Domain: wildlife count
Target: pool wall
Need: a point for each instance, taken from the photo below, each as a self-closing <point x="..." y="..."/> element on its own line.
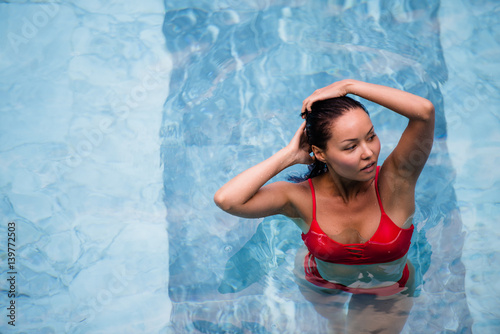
<point x="471" y="45"/>
<point x="82" y="88"/>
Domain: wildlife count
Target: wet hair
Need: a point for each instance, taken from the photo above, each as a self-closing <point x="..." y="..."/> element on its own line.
<point x="318" y="125"/>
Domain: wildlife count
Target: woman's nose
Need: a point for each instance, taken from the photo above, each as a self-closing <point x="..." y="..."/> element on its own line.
<point x="367" y="152"/>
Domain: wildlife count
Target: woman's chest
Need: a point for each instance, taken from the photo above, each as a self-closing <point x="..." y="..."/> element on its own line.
<point x="354" y="222"/>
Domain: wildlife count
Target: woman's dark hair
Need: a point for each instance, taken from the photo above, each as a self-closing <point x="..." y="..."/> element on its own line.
<point x="318" y="125"/>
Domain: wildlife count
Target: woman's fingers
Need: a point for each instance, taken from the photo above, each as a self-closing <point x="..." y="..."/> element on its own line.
<point x="299" y="146"/>
<point x="301" y="129"/>
<point x="306" y="104"/>
<point x="304" y="108"/>
<point x="336" y="89"/>
<point x="309" y="101"/>
<point x="297" y="138"/>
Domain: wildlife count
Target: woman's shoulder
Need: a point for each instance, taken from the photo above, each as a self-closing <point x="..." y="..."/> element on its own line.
<point x="291" y="187"/>
<point x="397" y="193"/>
<point x="298" y="197"/>
<point x="392" y="179"/>
<point x="293" y="193"/>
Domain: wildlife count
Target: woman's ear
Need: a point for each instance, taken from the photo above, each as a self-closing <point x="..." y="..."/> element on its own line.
<point x="318" y="153"/>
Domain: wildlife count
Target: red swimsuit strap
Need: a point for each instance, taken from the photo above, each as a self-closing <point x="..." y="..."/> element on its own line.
<point x="376" y="189"/>
<point x="378" y="194"/>
<point x="313" y="198"/>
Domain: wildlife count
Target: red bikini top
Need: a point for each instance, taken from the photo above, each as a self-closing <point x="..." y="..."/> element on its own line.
<point x="389" y="243"/>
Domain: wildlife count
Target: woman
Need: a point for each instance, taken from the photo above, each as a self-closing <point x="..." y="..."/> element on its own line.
<point x="356" y="218"/>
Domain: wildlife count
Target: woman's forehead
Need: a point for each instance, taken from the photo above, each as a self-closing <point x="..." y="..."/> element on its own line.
<point x="353" y="124"/>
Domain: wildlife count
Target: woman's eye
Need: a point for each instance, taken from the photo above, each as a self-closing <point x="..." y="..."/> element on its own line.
<point x="371" y="137"/>
<point x="350" y="147"/>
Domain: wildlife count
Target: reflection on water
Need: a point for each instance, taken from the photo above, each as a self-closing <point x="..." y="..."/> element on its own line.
<point x="264" y="251"/>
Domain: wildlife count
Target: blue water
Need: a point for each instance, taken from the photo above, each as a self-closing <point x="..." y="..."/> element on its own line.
<point x="119" y="121"/>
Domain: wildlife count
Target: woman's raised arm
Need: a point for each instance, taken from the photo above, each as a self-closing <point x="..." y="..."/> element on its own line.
<point x="245" y="196"/>
<point x="409" y="157"/>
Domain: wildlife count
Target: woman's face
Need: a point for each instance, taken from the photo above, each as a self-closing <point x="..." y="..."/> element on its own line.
<point x="353" y="148"/>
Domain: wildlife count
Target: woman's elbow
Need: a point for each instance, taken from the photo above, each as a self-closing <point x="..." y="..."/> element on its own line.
<point x="222" y="202"/>
<point x="427" y="113"/>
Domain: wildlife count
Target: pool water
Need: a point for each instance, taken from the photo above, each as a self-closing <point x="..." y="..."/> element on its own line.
<point x="119" y="122"/>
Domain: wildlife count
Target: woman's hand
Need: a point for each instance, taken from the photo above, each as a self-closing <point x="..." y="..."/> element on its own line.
<point x="336" y="89"/>
<point x="298" y="147"/>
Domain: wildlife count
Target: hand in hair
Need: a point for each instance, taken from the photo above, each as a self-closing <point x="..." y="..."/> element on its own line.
<point x="336" y="89"/>
<point x="299" y="147"/>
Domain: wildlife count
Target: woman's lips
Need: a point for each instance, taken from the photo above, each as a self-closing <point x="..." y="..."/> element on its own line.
<point x="369" y="167"/>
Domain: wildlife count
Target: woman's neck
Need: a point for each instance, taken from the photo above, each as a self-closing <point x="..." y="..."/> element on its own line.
<point x="345" y="188"/>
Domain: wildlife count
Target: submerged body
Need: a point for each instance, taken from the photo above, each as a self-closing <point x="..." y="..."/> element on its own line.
<point x="379" y="262"/>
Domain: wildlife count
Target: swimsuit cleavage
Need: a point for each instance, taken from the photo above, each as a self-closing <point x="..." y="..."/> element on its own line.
<point x="389" y="243"/>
